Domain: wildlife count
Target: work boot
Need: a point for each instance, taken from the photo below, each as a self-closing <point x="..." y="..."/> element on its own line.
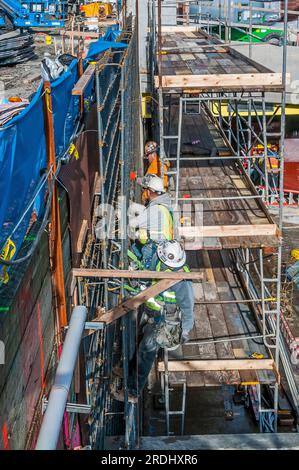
<point x="119" y="395"/>
<point x="185" y="337"/>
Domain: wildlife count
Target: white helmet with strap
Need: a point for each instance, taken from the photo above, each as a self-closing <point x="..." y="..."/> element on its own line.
<point x="152" y="182"/>
<point x="171" y="254"/>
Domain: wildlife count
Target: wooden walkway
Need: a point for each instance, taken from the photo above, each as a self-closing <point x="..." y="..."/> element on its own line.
<point x="230" y="223"/>
<point x="215" y="321"/>
<point x="192" y="59"/>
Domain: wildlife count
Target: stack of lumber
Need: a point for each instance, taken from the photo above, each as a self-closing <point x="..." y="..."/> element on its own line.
<point x="10" y="110"/>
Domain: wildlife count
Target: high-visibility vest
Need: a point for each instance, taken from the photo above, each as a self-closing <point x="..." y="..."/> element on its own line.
<point x="155" y="169"/>
<point x="166" y="232"/>
<point x="167" y="297"/>
<point x="272" y="163"/>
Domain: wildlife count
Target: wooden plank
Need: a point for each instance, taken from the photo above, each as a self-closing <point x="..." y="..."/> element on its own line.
<point x="122" y="273"/>
<point x="82" y="235"/>
<point x="81" y="34"/>
<point x="98" y="180"/>
<point x="221" y="81"/>
<point x="228" y="231"/>
<point x="83" y="81"/>
<point x="217" y="365"/>
<point x="180" y="29"/>
<point x="136" y="301"/>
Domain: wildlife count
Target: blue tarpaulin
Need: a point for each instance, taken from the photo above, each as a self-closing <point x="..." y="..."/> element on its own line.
<point x="23" y="159"/>
<point x="102" y="45"/>
<point x="106" y="42"/>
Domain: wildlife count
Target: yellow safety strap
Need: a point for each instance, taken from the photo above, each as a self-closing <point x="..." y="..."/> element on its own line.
<point x="7" y="254"/>
<point x="73" y="151"/>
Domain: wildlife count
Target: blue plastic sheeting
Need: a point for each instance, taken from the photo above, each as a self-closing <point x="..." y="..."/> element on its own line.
<point x="96" y="48"/>
<point x="65" y="107"/>
<point x="112" y="33"/>
<point x="22" y="157"/>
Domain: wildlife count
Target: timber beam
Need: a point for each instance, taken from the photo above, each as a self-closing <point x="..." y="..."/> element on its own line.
<point x="217" y="365"/>
<point x="228" y="231"/>
<point x="135" y="302"/>
<point x="222" y="81"/>
<point x="83" y="81"/>
<point x="126" y="274"/>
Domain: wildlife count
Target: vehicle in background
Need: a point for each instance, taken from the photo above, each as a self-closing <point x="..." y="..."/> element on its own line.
<point x="33" y="13"/>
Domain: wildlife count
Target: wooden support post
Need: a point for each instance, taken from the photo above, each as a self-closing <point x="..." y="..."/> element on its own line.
<point x="135" y="302"/>
<point x="55" y="245"/>
<point x="80" y="73"/>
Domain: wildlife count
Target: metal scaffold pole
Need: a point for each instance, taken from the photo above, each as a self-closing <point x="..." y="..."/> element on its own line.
<point x="281" y="196"/>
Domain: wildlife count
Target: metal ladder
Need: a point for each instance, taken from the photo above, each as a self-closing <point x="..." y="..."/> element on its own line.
<point x="166" y="393"/>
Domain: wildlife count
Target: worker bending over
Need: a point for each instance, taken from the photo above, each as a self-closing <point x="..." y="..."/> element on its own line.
<point x="153" y="223"/>
<point x="160" y="328"/>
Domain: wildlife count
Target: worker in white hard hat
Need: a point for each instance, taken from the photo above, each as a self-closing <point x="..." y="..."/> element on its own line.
<point x="153" y="224"/>
<point x="162" y="328"/>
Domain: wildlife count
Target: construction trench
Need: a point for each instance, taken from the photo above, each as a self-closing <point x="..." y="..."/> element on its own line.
<point x="234" y="383"/>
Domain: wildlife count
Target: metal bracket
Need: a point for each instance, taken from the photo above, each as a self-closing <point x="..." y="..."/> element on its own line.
<point x="94" y="325"/>
<point x="70" y="407"/>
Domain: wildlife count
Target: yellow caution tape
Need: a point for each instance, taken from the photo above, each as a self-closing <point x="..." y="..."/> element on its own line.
<point x="7" y="254"/>
<point x="73" y="151"/>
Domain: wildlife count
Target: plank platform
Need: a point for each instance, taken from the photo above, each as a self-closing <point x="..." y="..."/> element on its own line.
<point x="195" y="60"/>
<point x="212" y="364"/>
<point x="259" y="441"/>
<point x="215" y="223"/>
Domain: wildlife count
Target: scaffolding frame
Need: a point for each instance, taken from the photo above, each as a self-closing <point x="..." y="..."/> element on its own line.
<point x="240" y="145"/>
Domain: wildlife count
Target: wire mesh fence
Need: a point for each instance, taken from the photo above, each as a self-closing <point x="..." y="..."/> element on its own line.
<point x="118" y="113"/>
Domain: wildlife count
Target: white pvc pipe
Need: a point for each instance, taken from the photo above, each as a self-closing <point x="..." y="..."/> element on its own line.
<point x="50" y="429"/>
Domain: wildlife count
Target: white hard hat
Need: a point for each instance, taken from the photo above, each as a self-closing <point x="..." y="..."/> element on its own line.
<point x="151" y="147"/>
<point x="171" y="253"/>
<point x="152" y="182"/>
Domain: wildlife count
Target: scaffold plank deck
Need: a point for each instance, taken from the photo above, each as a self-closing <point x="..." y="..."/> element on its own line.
<point x="216" y="194"/>
<point x="222" y="332"/>
<point x="191" y="59"/>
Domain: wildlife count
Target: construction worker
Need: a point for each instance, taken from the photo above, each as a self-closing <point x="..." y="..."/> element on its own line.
<point x="154" y="165"/>
<point x="159" y="330"/>
<point x="152" y="224"/>
<point x="272" y="168"/>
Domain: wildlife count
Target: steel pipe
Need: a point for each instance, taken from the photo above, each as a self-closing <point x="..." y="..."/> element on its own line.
<point x="50" y="429"/>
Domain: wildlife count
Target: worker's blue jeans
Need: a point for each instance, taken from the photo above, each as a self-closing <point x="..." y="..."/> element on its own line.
<point x="147" y="350"/>
<point x="145" y="252"/>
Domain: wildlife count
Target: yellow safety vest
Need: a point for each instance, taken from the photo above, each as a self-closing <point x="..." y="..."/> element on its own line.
<point x="167" y="227"/>
<point x="167" y="297"/>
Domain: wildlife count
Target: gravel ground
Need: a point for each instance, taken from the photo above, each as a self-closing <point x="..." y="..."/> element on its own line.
<point x="23" y="79"/>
